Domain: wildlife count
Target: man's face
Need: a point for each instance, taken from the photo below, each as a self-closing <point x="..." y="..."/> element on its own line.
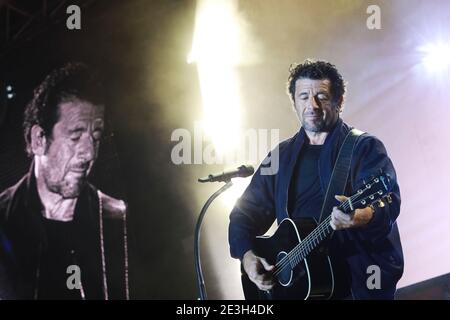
<point x="73" y="147"/>
<point x="313" y="104"/>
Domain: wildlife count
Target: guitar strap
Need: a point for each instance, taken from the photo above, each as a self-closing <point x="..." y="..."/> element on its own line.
<point x="341" y="170"/>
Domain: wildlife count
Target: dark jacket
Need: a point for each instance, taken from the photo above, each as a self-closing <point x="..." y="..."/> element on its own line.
<point x="23" y="239"/>
<point x="378" y="243"/>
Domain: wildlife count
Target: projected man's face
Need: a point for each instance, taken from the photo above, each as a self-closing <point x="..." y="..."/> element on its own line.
<point x="73" y="147"/>
<point x="313" y="104"/>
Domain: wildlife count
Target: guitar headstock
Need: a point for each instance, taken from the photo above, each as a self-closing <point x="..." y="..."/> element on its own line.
<point x="375" y="192"/>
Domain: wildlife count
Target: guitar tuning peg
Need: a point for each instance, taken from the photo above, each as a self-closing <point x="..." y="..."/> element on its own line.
<point x="381" y="204"/>
<point x="389" y="198"/>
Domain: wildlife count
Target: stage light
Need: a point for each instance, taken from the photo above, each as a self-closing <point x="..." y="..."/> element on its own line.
<point x="436" y="56"/>
<point x="216" y="51"/>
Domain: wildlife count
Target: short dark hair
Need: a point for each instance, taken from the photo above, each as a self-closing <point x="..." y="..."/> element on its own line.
<point x="73" y="81"/>
<point x="317" y="70"/>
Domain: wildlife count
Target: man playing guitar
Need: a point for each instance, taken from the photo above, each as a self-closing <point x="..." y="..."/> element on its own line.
<point x="364" y="238"/>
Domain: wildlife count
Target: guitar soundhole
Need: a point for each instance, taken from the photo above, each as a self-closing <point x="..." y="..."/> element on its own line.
<point x="285" y="275"/>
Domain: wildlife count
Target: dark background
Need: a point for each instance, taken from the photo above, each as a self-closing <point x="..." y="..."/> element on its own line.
<point x="141" y="49"/>
<point x="132" y="43"/>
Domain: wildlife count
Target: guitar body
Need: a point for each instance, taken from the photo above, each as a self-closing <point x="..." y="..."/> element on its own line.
<point x="303" y="269"/>
<point x="312" y="278"/>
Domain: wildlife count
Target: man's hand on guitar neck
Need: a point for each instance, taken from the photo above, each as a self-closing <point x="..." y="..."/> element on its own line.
<point x="258" y="270"/>
<point x="358" y="218"/>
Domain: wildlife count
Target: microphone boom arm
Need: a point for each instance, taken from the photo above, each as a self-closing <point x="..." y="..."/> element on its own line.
<point x="198" y="266"/>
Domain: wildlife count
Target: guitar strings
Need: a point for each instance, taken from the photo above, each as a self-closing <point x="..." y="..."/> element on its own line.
<point x="298" y="252"/>
<point x="301" y="250"/>
<point x="303" y="247"/>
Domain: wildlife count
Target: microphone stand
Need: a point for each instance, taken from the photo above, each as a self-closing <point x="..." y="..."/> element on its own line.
<point x="198" y="266"/>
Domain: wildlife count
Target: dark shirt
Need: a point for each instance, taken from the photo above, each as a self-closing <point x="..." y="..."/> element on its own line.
<point x="306" y="196"/>
<point x="306" y="199"/>
<point x="35" y="252"/>
<point x="58" y="255"/>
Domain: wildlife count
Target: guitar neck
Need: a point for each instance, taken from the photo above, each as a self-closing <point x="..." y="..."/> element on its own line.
<point x="374" y="191"/>
<point x="304" y="248"/>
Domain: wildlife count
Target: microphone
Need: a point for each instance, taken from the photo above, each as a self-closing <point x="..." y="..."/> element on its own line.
<point x="241" y="172"/>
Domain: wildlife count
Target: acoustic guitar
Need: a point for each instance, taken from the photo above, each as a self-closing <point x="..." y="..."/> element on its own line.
<point x="297" y="249"/>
